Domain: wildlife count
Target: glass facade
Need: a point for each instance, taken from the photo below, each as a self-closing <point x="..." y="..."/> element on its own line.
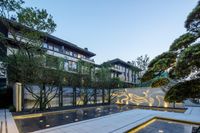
<point x="63" y="97"/>
<point x="91" y="96"/>
<point x="106" y="95"/>
<point x="53" y="96"/>
<point x="80" y="95"/>
<point x="99" y="96"/>
<point x="30" y="100"/>
<point x="67" y="95"/>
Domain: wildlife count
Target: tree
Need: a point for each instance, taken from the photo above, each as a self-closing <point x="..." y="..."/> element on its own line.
<point x="141" y="62"/>
<point x="178" y="69"/>
<point x="27" y="28"/>
<point x="84" y="80"/>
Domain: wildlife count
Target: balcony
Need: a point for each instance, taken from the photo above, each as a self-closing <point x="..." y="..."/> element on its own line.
<point x="115" y="69"/>
<point x="88" y="60"/>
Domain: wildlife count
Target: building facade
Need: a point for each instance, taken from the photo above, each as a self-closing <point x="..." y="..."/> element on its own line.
<point x="71" y="55"/>
<point x="53" y="46"/>
<point x="125" y="71"/>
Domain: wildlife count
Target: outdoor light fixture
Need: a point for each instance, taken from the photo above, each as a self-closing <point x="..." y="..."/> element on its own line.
<point x="160" y="131"/>
<point x="47" y="125"/>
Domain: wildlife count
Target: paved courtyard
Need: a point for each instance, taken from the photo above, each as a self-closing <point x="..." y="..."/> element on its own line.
<point x="7" y="123"/>
<point x="121" y="122"/>
<point x="115" y="123"/>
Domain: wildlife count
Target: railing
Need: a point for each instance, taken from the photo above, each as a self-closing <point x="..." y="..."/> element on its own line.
<point x="115" y="69"/>
<point x="88" y="60"/>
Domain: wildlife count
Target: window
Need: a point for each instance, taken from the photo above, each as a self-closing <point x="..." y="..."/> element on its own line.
<point x="66" y="65"/>
<point x="50" y="46"/>
<point x="72" y="66"/>
<point x="56" y="48"/>
<point x="79" y="56"/>
<point x="75" y="55"/>
<point x="70" y="53"/>
<point x="67" y="52"/>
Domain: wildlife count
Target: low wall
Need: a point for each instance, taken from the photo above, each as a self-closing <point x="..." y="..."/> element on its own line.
<point x="143" y="96"/>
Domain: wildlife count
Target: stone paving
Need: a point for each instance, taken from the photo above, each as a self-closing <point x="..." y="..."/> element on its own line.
<point x="115" y="123"/>
<point x="7" y="123"/>
<point x="121" y="122"/>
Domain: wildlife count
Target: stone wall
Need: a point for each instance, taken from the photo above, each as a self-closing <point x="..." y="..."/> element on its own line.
<point x="143" y="96"/>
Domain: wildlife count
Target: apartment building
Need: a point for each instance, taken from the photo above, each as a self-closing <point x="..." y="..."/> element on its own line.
<point x="125" y="71"/>
<point x="55" y="47"/>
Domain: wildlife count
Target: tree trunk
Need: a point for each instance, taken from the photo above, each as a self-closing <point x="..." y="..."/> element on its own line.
<point x="103" y="96"/>
<point x="95" y="96"/>
<point x="174" y="104"/>
<point x="74" y="96"/>
<point x="42" y="97"/>
<point x="109" y="96"/>
<point x="60" y="96"/>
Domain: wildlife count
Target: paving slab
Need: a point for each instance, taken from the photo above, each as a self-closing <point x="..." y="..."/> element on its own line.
<point x="121" y="122"/>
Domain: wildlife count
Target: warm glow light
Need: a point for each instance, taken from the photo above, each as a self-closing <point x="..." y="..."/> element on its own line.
<point x="47" y="125"/>
<point x="142" y="126"/>
<point x="133" y="98"/>
<point x="166" y="104"/>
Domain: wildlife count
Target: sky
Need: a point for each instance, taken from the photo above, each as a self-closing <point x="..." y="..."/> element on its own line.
<point x="122" y="29"/>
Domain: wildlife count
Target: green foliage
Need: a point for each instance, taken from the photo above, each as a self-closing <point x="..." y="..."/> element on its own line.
<point x="10" y="6"/>
<point x="192" y="23"/>
<point x="115" y="83"/>
<point x="165" y="55"/>
<point x="148" y="75"/>
<point x="184" y="90"/>
<point x="188" y="61"/>
<point x="40" y="20"/>
<point x="141" y="62"/>
<point x="183" y="41"/>
<point x="181" y="63"/>
<point x="160" y="82"/>
<point x="102" y="77"/>
<point x="158" y="65"/>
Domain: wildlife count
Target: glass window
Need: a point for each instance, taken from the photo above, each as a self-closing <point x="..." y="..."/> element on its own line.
<point x="54" y="101"/>
<point x="66" y="65"/>
<point x="50" y="46"/>
<point x="67" y="96"/>
<point x="75" y="55"/>
<point x="29" y="100"/>
<point x="72" y="65"/>
<point x="99" y="96"/>
<point x="80" y="96"/>
<point x="70" y="53"/>
<point x="56" y="48"/>
<point x="79" y="56"/>
<point x="67" y="52"/>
